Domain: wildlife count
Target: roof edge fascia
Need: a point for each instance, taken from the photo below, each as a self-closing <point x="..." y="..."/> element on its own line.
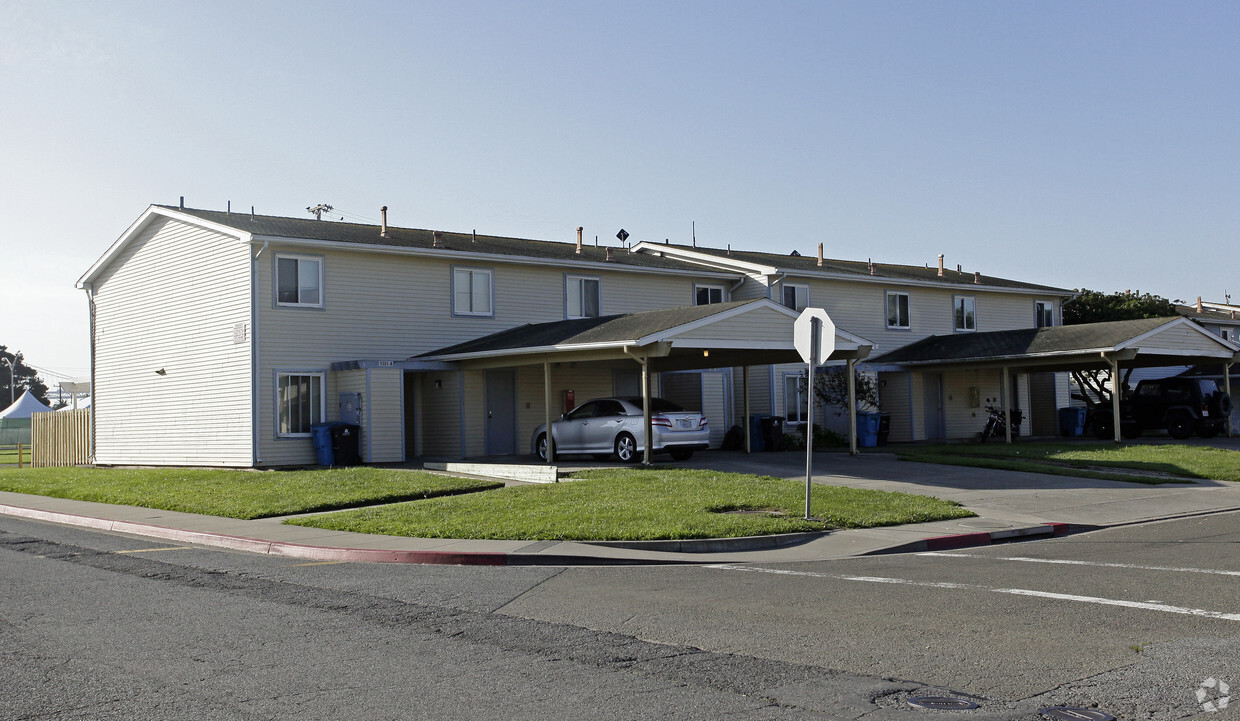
<point x="475" y="256"/>
<point x="704" y="258"/>
<point x="531" y="350"/>
<point x="140" y="224"/>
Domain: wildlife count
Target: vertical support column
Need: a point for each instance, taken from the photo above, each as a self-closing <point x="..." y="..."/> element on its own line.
<point x="1115" y="391"/>
<point x="1005" y="393"/>
<point x="547" y="411"/>
<point x="1227" y="390"/>
<point x="852" y="407"/>
<point x="646" y="426"/>
<point x="745" y="421"/>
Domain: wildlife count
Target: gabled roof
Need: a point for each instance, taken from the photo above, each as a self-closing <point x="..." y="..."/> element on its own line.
<point x="1220" y="313"/>
<point x="357" y="236"/>
<point x="802" y="266"/>
<point x="1149" y="341"/>
<point x="677" y="328"/>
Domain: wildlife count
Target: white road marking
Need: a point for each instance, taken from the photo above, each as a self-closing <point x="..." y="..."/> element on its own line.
<point x="1098" y="564"/>
<point x="1145" y="605"/>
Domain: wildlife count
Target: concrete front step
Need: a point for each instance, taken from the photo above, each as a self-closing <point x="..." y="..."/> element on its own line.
<point x="506" y="471"/>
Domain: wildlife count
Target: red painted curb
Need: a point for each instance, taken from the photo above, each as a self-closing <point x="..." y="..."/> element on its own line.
<point x="963" y="540"/>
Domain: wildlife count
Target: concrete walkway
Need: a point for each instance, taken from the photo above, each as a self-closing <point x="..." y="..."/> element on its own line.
<point x="1008" y="504"/>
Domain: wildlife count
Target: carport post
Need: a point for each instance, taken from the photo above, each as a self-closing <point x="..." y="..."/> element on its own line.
<point x="647" y="429"/>
<point x="547" y="399"/>
<point x="745" y="422"/>
<point x="1227" y="390"/>
<point x="1115" y="391"/>
<point x="852" y="407"/>
<point x="1007" y="414"/>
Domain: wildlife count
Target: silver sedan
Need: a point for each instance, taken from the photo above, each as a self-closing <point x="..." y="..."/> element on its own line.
<point x="606" y="426"/>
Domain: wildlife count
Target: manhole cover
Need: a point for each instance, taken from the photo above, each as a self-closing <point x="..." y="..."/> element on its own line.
<point x="942" y="703"/>
<point x="1067" y="713"/>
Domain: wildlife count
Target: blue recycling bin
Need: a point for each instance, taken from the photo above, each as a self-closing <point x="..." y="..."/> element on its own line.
<point x="867" y="429"/>
<point x="756" y="440"/>
<point x="321" y="437"/>
<point x="1071" y="422"/>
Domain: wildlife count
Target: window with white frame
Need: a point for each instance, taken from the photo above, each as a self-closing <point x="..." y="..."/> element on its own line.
<point x="796" y="295"/>
<point x="708" y="294"/>
<point x="1044" y="313"/>
<point x="897" y="309"/>
<point x="299" y="401"/>
<point x="581" y="297"/>
<point x="299" y="281"/>
<point x="964" y="313"/>
<point x="794" y="397"/>
<point x="471" y="292"/>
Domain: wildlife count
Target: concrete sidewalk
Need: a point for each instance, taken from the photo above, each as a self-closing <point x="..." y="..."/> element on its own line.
<point x="1008" y="504"/>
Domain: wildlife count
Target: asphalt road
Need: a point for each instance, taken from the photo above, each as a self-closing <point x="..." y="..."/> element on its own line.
<point x="1130" y="621"/>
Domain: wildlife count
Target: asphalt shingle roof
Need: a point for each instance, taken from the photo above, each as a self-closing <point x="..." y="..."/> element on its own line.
<point x="808" y="264"/>
<point x="361" y="234"/>
<point x="586" y="331"/>
<point x="1023" y="342"/>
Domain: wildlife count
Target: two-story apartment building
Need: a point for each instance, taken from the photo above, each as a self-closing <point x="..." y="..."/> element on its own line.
<point x="219" y="338"/>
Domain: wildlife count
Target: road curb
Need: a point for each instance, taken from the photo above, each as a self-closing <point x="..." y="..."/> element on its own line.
<point x="981" y="538"/>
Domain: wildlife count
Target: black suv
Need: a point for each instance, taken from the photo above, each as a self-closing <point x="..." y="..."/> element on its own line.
<point x="1180" y="405"/>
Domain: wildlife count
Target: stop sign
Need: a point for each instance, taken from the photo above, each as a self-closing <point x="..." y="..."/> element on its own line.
<point x="813" y="335"/>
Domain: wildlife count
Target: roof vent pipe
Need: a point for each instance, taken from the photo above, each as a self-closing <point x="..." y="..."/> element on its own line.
<point x="437" y="239"/>
<point x="579" y="229"/>
<point x="957" y="267"/>
<point x="820" y="255"/>
<point x="182" y="202"/>
<point x="871" y="262"/>
<point x="1199" y="308"/>
<point x="383" y="226"/>
<point x="609" y="259"/>
<point x="940" y="265"/>
<point x="473" y="235"/>
<point x="977" y="278"/>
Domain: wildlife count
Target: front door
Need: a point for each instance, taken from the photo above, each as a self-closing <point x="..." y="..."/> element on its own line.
<point x="932" y="386"/>
<point x="501" y="408"/>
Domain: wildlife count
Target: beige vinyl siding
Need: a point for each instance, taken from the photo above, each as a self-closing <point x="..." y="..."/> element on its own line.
<point x="961" y="420"/>
<point x="441" y="414"/>
<point x="715" y="403"/>
<point x="177" y="299"/>
<point x="1182" y="337"/>
<point x="752" y="326"/>
<point x="385" y="438"/>
<point x="895" y="399"/>
<point x="475" y="413"/>
<point x="751" y="289"/>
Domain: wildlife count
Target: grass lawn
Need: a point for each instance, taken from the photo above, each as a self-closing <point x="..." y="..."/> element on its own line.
<point x="641" y="504"/>
<point x="1158" y="463"/>
<point x="236" y="494"/>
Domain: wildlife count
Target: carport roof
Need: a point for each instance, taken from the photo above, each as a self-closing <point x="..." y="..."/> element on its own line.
<point x="1144" y="342"/>
<point x="658" y="333"/>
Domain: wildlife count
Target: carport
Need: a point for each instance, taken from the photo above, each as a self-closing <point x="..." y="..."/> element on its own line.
<point x="1144" y="343"/>
<point x="722" y="335"/>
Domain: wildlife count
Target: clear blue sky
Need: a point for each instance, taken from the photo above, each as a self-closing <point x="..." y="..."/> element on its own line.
<point x="1076" y="144"/>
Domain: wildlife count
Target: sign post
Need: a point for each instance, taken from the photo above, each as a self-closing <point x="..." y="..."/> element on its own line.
<point x="813" y="335"/>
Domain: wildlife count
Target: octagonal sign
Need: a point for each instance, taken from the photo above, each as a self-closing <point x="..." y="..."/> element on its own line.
<point x="813" y="335"/>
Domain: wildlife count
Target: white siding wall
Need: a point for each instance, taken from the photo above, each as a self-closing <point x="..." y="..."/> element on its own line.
<point x="173" y="300"/>
<point x="385" y="434"/>
<point x="441" y="414"/>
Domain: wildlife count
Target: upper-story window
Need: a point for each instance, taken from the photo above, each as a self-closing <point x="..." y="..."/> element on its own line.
<point x="471" y="292"/>
<point x="897" y="309"/>
<point x="707" y="294"/>
<point x="796" y="296"/>
<point x="299" y="281"/>
<point x="581" y="297"/>
<point x="1044" y="313"/>
<point x="964" y="313"/>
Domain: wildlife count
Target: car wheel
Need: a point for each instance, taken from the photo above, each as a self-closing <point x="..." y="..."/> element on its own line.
<point x="626" y="448"/>
<point x="1180" y="426"/>
<point x="681" y="454"/>
<point x="541" y="445"/>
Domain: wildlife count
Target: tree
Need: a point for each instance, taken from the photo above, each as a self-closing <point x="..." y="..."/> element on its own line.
<point x="1092" y="306"/>
<point x="25" y="377"/>
<point x="831" y="389"/>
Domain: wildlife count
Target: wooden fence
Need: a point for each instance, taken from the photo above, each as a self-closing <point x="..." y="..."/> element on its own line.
<point x="60" y="438"/>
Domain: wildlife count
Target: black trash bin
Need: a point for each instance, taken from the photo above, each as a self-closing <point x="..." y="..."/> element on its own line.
<point x="884" y="428"/>
<point x="346" y="445"/>
<point x="773" y="433"/>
